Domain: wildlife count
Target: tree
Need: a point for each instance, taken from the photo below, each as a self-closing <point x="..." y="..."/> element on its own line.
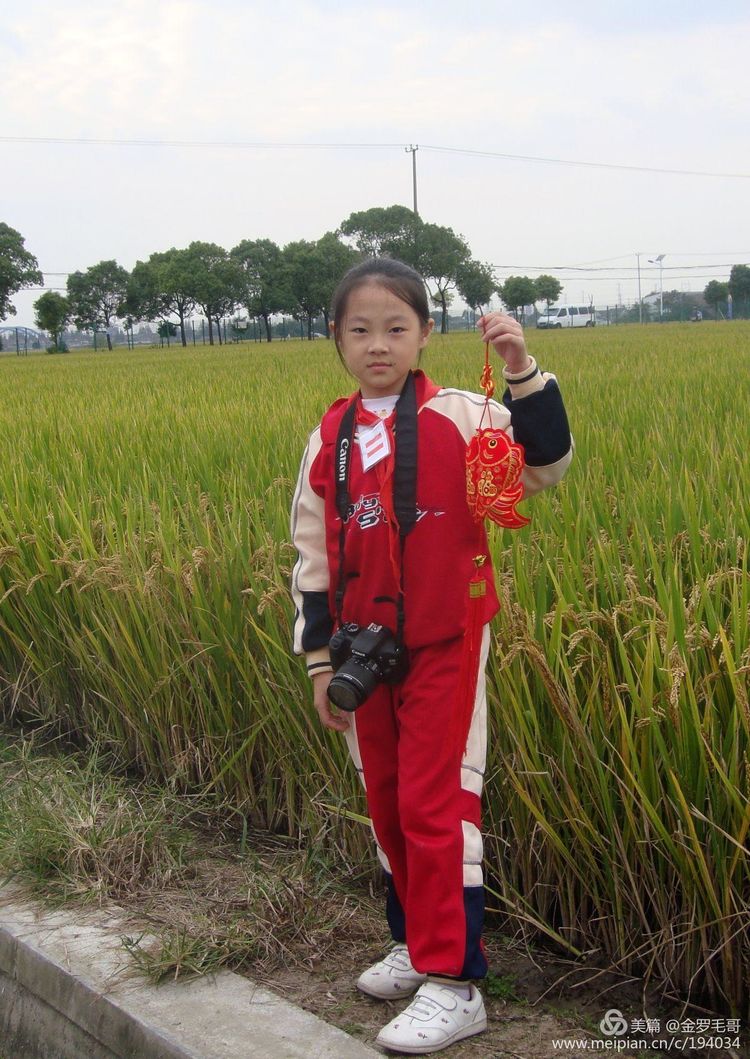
<point x="739" y="288"/>
<point x="215" y="282"/>
<point x="393" y="231"/>
<point x="476" y="284"/>
<point x="333" y="259"/>
<point x="97" y="296"/>
<point x="716" y="294"/>
<point x="144" y="299"/>
<point x="442" y="256"/>
<point x="309" y="289"/>
<point x="52" y="314"/>
<point x="162" y="286"/>
<point x="176" y="282"/>
<point x="264" y="285"/>
<point x="517" y="292"/>
<point x="18" y="269"/>
<point x="547" y="289"/>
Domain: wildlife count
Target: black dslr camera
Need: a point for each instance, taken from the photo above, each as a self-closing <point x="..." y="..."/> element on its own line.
<point x="363" y="658"/>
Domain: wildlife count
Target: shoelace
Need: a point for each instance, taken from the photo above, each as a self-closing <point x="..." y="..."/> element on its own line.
<point x="399" y="959"/>
<point x="424" y="1005"/>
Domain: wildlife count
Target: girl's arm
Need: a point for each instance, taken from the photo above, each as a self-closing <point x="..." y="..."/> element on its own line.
<point x="538" y="418"/>
<point x="313" y="623"/>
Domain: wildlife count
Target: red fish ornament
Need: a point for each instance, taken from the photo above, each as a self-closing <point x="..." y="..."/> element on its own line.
<point x="494" y="465"/>
<point x="493" y="478"/>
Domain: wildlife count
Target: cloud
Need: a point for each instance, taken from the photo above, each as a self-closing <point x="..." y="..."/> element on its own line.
<point x="96" y="69"/>
<point x="572" y="83"/>
<point x="186" y="69"/>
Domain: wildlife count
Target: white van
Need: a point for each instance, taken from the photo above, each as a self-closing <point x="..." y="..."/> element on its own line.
<point x="568" y="316"/>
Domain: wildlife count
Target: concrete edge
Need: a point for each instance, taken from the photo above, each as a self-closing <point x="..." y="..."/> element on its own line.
<point x="65" y="977"/>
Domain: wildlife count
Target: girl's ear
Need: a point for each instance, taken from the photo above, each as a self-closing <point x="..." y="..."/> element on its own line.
<point x="427" y="331"/>
<point x="332" y="328"/>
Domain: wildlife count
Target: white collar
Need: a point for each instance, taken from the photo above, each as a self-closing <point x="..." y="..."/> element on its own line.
<point x="380" y="406"/>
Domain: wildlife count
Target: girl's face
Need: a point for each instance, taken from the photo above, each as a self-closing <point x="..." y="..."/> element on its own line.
<point x="380" y="339"/>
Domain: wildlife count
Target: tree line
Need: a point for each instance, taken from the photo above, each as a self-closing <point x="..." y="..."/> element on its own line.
<point x="263" y="279"/>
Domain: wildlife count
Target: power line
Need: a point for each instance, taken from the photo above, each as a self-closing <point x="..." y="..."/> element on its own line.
<point x="593" y="165"/>
<point x="615" y="279"/>
<point x="96" y="141"/>
<point x="672" y="253"/>
<point x="612" y="268"/>
<point x="265" y="145"/>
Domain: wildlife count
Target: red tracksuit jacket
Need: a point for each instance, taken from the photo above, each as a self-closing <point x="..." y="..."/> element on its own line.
<point x="438" y="553"/>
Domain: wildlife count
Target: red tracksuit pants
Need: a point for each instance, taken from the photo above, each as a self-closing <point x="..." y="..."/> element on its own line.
<point x="424" y="798"/>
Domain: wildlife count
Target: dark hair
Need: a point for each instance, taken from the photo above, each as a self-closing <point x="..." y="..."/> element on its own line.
<point x="398" y="278"/>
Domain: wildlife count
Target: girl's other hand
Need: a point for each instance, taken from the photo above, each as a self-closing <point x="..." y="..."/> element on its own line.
<point x="336" y="721"/>
<point x="506" y="335"/>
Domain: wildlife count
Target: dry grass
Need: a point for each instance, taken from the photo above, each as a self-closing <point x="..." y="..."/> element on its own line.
<point x="211" y="893"/>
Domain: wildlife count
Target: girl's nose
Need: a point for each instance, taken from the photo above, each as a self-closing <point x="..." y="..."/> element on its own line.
<point x="378" y="342"/>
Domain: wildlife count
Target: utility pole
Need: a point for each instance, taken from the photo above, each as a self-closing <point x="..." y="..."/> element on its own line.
<point x="640" y="303"/>
<point x="412" y="150"/>
<point x="660" y="262"/>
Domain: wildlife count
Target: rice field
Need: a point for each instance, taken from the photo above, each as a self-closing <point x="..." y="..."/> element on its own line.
<point x="144" y="565"/>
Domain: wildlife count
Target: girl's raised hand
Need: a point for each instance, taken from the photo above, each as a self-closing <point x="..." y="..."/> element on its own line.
<point x="506" y="335"/>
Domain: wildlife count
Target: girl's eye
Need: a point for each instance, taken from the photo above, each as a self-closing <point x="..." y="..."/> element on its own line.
<point x="398" y="330"/>
<point x="358" y="330"/>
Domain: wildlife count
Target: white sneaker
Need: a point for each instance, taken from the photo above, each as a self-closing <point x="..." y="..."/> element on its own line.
<point x="436" y="1017"/>
<point x="392" y="977"/>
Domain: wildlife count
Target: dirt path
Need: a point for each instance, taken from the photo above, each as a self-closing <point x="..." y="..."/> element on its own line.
<point x="532" y="1000"/>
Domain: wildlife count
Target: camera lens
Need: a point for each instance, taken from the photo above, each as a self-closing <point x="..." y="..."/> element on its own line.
<point x="354" y="682"/>
<point x="345" y="695"/>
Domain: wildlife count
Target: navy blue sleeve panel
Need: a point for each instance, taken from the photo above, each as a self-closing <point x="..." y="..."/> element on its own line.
<point x="540" y="424"/>
<point x="318" y="623"/>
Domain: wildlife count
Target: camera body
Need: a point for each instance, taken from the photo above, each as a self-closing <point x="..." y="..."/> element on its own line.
<point x="363" y="657"/>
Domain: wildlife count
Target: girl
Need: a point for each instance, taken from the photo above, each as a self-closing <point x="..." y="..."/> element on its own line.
<point x="386" y="546"/>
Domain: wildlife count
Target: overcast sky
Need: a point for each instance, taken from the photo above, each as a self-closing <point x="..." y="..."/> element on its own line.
<point x="659" y="86"/>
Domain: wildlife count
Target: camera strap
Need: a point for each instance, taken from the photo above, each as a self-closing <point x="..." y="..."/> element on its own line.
<point x="404" y="484"/>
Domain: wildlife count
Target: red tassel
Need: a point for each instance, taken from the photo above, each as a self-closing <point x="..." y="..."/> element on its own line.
<point x="469" y="671"/>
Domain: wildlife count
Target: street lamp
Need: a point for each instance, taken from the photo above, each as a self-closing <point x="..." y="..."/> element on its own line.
<point x="659" y="261"/>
